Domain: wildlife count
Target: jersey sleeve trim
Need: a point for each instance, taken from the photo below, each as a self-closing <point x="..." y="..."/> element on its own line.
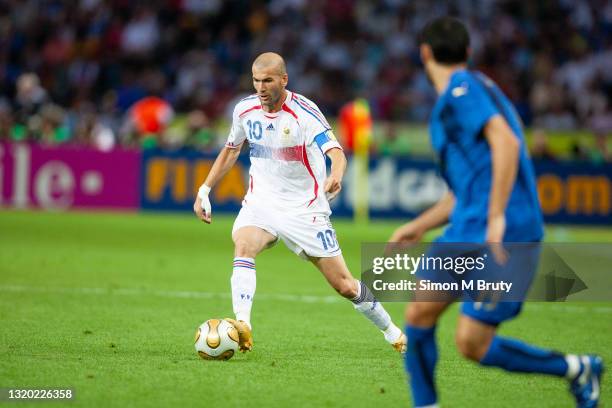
<point x="325" y="142"/>
<point x="312" y="112"/>
<point x="231" y="145"/>
<point x="311" y="106"/>
<point x="249" y="110"/>
<point x="332" y="144"/>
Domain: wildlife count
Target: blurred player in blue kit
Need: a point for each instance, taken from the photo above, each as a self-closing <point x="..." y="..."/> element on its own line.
<point x="492" y="198"/>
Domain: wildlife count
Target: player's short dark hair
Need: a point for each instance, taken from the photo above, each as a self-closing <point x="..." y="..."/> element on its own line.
<point x="448" y="38"/>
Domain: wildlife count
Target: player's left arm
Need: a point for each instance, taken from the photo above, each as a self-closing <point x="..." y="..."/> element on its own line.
<point x="505" y="148"/>
<point x="333" y="183"/>
<point x="321" y="133"/>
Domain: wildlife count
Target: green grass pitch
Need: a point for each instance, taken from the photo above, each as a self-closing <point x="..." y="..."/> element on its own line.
<point x="108" y="304"/>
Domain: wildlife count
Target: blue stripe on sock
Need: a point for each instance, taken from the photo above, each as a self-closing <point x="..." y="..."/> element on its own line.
<point x="248" y="260"/>
<point x="241" y="265"/>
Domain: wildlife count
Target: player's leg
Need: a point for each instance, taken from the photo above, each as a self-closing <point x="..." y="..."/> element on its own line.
<point x="477" y="340"/>
<point x="422" y="354"/>
<point x="339" y="277"/>
<point x="312" y="237"/>
<point x="249" y="241"/>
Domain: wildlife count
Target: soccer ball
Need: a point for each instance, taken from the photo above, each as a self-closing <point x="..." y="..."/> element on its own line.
<point x="216" y="339"/>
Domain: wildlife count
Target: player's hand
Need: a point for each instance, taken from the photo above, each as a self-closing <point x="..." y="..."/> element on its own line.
<point x="496" y="228"/>
<point x="332" y="187"/>
<point x="201" y="206"/>
<point x="409" y="233"/>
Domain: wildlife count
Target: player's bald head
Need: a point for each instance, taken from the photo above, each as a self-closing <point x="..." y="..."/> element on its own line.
<point x="269" y="80"/>
<point x="270" y="61"/>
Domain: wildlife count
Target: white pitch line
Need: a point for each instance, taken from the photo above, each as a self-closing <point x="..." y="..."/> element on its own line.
<point x="167" y="293"/>
<point x="565" y="308"/>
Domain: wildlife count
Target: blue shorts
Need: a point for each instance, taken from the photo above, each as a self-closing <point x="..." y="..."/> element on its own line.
<point x="491" y="313"/>
<point x="490" y="306"/>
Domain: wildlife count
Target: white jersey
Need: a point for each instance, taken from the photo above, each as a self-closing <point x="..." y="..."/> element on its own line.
<point x="287" y="152"/>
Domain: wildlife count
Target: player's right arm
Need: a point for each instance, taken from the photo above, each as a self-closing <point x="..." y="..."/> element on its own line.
<point x="224" y="161"/>
<point x="434" y="217"/>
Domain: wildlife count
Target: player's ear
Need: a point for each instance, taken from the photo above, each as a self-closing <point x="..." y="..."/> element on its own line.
<point x="284" y="79"/>
<point x="426" y="53"/>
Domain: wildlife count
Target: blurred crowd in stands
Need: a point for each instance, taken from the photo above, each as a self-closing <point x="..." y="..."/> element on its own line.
<point x="167" y="73"/>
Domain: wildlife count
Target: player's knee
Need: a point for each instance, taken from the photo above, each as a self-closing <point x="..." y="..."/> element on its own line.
<point x="245" y="248"/>
<point x="470" y="345"/>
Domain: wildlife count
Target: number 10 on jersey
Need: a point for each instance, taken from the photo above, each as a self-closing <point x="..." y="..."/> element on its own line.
<point x="255" y="130"/>
<point x="328" y="239"/>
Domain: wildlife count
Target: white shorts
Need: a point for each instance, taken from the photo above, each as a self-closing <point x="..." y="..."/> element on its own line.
<point x="308" y="235"/>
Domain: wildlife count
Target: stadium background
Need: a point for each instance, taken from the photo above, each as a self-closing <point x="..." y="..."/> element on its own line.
<point x="122" y="105"/>
<point x="162" y="79"/>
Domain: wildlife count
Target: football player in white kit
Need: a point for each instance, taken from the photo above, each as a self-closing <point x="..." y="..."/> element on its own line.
<point x="287" y="195"/>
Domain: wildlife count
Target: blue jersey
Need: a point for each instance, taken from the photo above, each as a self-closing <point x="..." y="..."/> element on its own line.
<point x="457" y="123"/>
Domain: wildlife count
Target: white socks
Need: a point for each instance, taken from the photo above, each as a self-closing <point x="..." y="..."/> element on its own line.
<point x="365" y="303"/>
<point x="243" y="288"/>
<point x="392" y="333"/>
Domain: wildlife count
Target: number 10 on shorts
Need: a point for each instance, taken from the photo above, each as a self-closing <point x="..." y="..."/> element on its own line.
<point x="328" y="239"/>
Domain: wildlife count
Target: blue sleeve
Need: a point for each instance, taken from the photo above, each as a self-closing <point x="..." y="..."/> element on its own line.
<point x="473" y="106"/>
